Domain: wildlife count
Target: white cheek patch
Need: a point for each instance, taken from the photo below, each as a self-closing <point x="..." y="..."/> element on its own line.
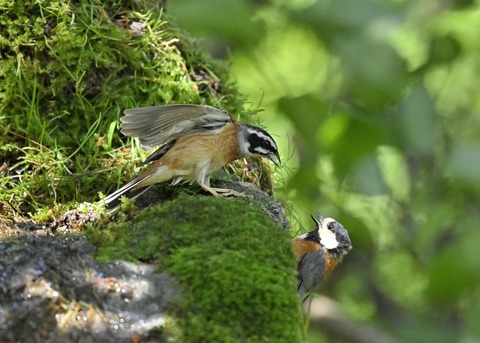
<point x="261" y="151"/>
<point x="327" y="237"/>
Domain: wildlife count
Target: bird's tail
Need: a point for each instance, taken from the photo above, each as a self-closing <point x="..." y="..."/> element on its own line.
<point x="302" y="292"/>
<point x="130" y="190"/>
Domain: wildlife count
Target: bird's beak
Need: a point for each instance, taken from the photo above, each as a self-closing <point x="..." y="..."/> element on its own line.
<point x="320" y="219"/>
<point x="275" y="158"/>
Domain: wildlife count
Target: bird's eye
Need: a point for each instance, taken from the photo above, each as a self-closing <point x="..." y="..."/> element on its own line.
<point x="330" y="226"/>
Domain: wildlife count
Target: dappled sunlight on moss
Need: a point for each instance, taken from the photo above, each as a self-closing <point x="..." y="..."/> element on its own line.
<point x="235" y="266"/>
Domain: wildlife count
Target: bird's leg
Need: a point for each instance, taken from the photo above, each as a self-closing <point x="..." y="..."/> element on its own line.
<point x="224" y="192"/>
<point x="229" y="192"/>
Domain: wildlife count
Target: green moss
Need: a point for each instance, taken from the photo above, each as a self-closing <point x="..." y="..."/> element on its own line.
<point x="234" y="263"/>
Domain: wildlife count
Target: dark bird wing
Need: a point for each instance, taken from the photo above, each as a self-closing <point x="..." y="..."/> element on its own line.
<point x="158" y="125"/>
<point x="311" y="268"/>
<point x="157" y="154"/>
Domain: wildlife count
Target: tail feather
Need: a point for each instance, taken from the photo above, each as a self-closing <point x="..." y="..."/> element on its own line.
<point x="130" y="190"/>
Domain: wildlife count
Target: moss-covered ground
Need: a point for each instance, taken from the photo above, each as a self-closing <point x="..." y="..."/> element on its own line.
<point x="235" y="266"/>
<point x="67" y="71"/>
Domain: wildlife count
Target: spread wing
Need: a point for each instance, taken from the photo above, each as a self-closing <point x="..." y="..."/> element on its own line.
<point x="310" y="271"/>
<point x="158" y="125"/>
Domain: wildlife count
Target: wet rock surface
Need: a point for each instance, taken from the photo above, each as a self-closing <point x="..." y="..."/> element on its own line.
<point x="53" y="290"/>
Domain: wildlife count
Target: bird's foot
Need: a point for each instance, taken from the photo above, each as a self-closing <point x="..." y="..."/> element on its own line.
<point x="223" y="192"/>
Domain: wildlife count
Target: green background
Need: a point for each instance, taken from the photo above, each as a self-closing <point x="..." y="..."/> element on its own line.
<point x="375" y="106"/>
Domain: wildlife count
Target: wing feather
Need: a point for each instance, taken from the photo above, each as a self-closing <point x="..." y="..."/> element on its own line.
<point x="310" y="271"/>
<point x="158" y="125"/>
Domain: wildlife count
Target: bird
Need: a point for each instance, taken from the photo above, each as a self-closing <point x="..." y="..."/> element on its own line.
<point x="319" y="252"/>
<point x="194" y="141"/>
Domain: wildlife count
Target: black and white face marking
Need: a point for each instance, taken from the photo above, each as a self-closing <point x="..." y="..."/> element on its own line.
<point x="255" y="141"/>
<point x="332" y="234"/>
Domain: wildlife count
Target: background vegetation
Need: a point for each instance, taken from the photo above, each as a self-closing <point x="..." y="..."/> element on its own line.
<point x="375" y="103"/>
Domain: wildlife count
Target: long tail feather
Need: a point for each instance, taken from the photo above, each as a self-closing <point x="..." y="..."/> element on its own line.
<point x="130" y="190"/>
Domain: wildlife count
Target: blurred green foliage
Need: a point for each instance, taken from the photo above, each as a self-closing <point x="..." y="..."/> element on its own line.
<point x="375" y="107"/>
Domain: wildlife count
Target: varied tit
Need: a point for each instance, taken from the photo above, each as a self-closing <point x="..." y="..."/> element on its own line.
<point x="319" y="252"/>
<point x="194" y="142"/>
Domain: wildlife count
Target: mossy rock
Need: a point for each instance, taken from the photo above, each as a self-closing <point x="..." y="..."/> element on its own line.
<point x="233" y="262"/>
<point x="67" y="71"/>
